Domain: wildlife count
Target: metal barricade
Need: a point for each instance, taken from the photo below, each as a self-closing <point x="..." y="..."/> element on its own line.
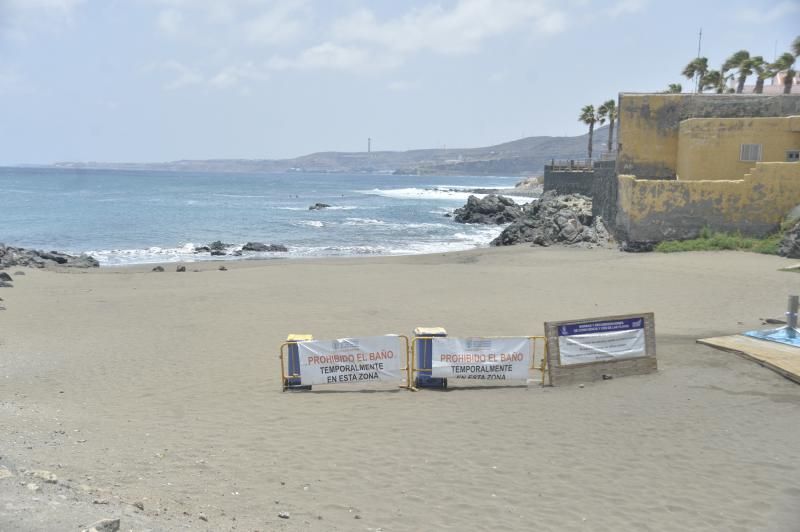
<point x="426" y="343"/>
<point x="290" y="362"/>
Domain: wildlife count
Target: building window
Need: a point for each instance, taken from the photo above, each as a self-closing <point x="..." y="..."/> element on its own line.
<point x="750" y="152"/>
<point x="793" y="156"/>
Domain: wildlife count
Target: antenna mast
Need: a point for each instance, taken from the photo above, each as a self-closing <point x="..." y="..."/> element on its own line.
<point x="697" y="77"/>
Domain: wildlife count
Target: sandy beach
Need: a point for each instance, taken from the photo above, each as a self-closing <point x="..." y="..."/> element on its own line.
<point x="163" y="389"/>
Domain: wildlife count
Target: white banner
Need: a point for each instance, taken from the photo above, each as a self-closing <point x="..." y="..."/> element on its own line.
<point x="352" y="360"/>
<point x="481" y="358"/>
<point x="580" y="343"/>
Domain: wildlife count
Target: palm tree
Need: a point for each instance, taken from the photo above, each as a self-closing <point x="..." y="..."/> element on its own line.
<point x="762" y="70"/>
<point x="697" y="68"/>
<point x="590" y="117"/>
<point x="609" y="110"/>
<point x="713" y="79"/>
<point x="740" y="61"/>
<point x="735" y="61"/>
<point x="785" y="62"/>
<point x="674" y="88"/>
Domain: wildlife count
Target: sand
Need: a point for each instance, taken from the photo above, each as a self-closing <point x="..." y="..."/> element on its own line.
<point x="163" y="388"/>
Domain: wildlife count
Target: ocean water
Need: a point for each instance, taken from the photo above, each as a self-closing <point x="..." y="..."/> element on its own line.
<point x="130" y="217"/>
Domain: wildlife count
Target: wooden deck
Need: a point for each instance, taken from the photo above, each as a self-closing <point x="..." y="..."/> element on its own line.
<point x="780" y="358"/>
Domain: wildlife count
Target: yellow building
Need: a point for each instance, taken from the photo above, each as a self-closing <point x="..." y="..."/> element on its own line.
<point x="686" y="162"/>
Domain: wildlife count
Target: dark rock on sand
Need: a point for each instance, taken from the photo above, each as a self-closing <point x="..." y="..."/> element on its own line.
<point x="180" y="268"/>
<point x="491" y="209"/>
<point x="104" y="525"/>
<point x="158" y="269"/>
<point x="554" y="219"/>
<point x="637" y="247"/>
<point x="318" y="206"/>
<point x="790" y="245"/>
<point x="5" y="277"/>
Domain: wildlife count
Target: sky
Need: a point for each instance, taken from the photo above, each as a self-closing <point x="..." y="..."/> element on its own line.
<point x="163" y="80"/>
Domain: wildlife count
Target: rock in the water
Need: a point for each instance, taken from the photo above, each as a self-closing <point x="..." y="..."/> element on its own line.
<point x="790" y="245"/>
<point x="261" y="248"/>
<point x="554" y="219"/>
<point x="180" y="268"/>
<point x="104" y="525"/>
<point x="217" y="253"/>
<point x="318" y="206"/>
<point x="218" y="245"/>
<point x="5" y="277"/>
<point x="255" y="246"/>
<point x="158" y="269"/>
<point x="492" y="209"/>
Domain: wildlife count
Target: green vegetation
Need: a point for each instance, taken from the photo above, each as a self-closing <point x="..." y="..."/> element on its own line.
<point x="713" y="241"/>
<point x="744" y="65"/>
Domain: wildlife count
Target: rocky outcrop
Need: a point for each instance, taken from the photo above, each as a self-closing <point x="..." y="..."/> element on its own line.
<point x="790" y="245"/>
<point x="221" y="249"/>
<point x="12" y="256"/>
<point x="259" y="247"/>
<point x="554" y="219"/>
<point x="491" y="209"/>
<point x="318" y="206"/>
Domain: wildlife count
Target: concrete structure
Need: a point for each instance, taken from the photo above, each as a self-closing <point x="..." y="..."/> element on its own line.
<point x="687" y="162"/>
<point x="577" y="178"/>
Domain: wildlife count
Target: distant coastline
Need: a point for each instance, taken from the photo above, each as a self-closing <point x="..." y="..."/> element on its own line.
<point x="523" y="157"/>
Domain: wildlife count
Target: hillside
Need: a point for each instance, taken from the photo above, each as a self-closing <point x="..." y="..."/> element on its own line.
<point x="519" y="157"/>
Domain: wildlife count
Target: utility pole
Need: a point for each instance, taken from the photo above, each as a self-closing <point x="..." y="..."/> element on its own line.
<point x="697" y="77"/>
<point x="369" y="144"/>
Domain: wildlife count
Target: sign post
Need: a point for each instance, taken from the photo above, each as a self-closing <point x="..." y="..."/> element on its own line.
<point x="598" y="348"/>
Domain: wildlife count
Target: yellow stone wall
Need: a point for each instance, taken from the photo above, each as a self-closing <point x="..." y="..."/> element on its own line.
<point x="709" y="148"/>
<point x="655" y="210"/>
<point x="647" y="136"/>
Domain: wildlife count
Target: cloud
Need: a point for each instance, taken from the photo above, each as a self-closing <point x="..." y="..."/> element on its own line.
<point x="626" y="7"/>
<point x="460" y="29"/>
<point x="403" y="86"/>
<point x="19" y="18"/>
<point x="786" y="10"/>
<point x="327" y="55"/>
<point x="180" y="75"/>
<point x="236" y="22"/>
<point x="170" y="21"/>
<point x="282" y="23"/>
<point x="235" y="75"/>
